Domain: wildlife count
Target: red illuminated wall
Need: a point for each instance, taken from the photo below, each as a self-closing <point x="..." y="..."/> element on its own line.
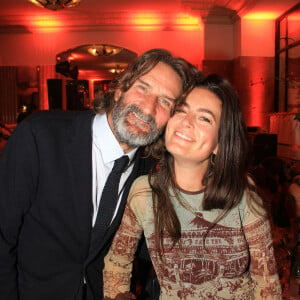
<point x="242" y="52"/>
<point x="254" y="81"/>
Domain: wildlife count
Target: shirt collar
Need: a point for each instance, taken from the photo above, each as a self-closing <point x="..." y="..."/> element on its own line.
<point x="106" y="141"/>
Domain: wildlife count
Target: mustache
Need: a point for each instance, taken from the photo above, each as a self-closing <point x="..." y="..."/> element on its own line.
<point x="139" y="113"/>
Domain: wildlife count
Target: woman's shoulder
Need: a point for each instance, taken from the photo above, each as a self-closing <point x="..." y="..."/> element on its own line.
<point x="141" y="182"/>
<point x="140" y="196"/>
<point x="140" y="188"/>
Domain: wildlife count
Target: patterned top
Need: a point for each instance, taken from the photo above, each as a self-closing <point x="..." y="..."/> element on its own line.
<point x="236" y="261"/>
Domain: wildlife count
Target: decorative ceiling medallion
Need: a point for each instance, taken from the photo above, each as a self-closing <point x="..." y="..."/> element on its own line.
<point x="55" y="4"/>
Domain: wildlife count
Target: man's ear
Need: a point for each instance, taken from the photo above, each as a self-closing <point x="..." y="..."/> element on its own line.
<point x="117" y="95"/>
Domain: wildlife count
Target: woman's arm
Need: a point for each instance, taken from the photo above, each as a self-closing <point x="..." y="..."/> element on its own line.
<point x="263" y="267"/>
<point x="118" y="261"/>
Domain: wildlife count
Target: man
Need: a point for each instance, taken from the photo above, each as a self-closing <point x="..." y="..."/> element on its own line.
<point x="52" y="173"/>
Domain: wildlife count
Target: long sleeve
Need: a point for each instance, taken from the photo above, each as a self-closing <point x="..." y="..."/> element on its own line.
<point x="118" y="262"/>
<point x="263" y="268"/>
<point x="17" y="181"/>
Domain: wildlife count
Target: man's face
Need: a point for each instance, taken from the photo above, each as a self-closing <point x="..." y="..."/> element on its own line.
<point x="141" y="113"/>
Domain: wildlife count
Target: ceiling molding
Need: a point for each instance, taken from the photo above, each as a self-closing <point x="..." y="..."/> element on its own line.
<point x="165" y="15"/>
<point x="100" y="21"/>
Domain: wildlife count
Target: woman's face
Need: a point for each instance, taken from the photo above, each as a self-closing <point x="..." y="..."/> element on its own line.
<point x="192" y="133"/>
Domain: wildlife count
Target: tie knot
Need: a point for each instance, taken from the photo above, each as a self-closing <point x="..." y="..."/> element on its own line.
<point x="121" y="163"/>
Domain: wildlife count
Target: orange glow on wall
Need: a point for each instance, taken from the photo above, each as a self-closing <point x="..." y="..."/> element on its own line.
<point x="260" y="92"/>
<point x="188" y="22"/>
<point x="47" y="23"/>
<point x="154" y="21"/>
<point x="257" y="94"/>
<point x="263" y="15"/>
<point x="146" y="19"/>
<point x="257" y="38"/>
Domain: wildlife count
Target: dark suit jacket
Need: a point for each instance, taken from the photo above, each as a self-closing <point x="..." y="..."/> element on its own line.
<point x="46" y="208"/>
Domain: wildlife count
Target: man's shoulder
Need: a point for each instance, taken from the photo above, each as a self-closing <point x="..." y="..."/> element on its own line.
<point x="56" y="119"/>
<point x="49" y="115"/>
<point x="42" y="123"/>
<point x="146" y="163"/>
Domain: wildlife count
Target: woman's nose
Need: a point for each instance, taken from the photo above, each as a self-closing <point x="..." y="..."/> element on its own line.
<point x="188" y="119"/>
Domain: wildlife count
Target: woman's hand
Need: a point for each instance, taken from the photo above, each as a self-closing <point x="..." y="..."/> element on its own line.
<point x="122" y="296"/>
<point x="125" y="296"/>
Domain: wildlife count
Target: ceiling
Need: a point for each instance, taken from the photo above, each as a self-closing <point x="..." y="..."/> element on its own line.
<point x="21" y="16"/>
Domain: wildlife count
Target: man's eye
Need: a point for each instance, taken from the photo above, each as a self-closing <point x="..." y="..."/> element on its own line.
<point x="166" y="103"/>
<point x="142" y="88"/>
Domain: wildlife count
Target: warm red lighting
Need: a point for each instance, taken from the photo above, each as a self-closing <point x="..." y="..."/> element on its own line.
<point x="260" y="93"/>
<point x="257" y="94"/>
<point x="154" y="21"/>
<point x="146" y="19"/>
<point x="187" y="22"/>
<point x="75" y="56"/>
<point x="263" y="15"/>
<point x="257" y="38"/>
<point x="46" y="23"/>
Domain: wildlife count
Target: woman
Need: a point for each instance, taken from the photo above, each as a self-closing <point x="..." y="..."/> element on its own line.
<point x="205" y="227"/>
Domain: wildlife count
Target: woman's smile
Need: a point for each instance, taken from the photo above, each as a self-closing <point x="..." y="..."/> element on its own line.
<point x="183" y="136"/>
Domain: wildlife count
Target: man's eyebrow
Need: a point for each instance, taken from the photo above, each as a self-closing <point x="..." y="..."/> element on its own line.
<point x="143" y="82"/>
<point x="148" y="85"/>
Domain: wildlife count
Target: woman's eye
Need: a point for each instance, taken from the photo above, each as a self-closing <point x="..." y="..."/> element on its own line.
<point x="205" y="119"/>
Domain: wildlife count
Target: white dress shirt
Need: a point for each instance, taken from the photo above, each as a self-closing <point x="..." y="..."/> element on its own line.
<point x="105" y="150"/>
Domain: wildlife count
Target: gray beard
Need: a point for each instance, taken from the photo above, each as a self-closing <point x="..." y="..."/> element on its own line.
<point x="133" y="140"/>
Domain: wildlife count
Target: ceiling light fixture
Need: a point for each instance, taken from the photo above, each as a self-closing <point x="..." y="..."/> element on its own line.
<point x="117" y="70"/>
<point x="104" y="50"/>
<point x="55" y="4"/>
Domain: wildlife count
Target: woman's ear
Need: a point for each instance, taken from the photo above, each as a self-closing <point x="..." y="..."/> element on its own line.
<point x="215" y="151"/>
<point x="117" y="95"/>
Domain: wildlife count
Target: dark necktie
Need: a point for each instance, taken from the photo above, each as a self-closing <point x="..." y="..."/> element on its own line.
<point x="109" y="196"/>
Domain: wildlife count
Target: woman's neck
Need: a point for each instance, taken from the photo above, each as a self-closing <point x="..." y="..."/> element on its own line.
<point x="190" y="177"/>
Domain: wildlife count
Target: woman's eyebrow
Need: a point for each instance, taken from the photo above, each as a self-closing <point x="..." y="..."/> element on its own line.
<point x="206" y="111"/>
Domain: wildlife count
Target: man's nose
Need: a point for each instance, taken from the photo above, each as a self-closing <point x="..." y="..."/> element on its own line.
<point x="149" y="104"/>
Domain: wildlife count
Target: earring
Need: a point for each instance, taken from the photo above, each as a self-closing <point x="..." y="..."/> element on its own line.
<point x="212" y="159"/>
